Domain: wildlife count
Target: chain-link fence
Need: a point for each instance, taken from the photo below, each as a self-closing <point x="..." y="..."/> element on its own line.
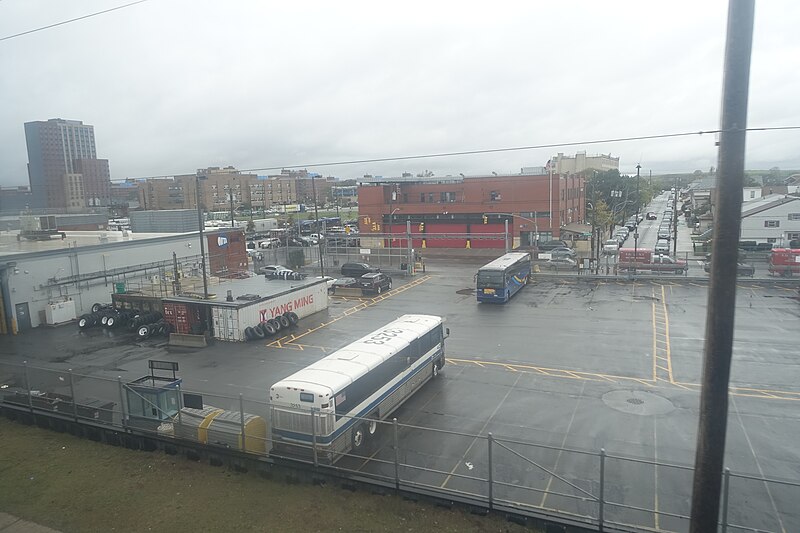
<point x="589" y="487"/>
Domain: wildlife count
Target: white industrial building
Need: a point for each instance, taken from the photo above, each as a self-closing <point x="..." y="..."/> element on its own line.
<point x="54" y="281"/>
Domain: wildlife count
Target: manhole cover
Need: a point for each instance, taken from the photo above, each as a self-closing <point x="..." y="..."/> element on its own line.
<point x="637" y="402"/>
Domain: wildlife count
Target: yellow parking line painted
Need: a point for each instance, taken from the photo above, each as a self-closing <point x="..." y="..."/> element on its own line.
<point x="550" y="372"/>
<point x="283" y="343"/>
<point x="653" y="312"/>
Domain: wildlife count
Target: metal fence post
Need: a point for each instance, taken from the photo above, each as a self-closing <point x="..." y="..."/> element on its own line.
<point x="491" y="487"/>
<point x="72" y="394"/>
<point x="726" y="480"/>
<point x="241" y="421"/>
<point x="601" y="501"/>
<point x="396" y="457"/>
<point x="122" y="403"/>
<point x="28" y="386"/>
<point x="314" y="438"/>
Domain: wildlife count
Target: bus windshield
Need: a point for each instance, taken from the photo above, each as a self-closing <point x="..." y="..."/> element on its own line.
<point x="491" y="279"/>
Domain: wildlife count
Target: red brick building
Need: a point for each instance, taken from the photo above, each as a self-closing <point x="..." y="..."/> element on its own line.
<point x="464" y="207"/>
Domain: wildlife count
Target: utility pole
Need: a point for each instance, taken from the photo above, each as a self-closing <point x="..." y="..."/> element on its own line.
<point x="316" y="219"/>
<point x="720" y="314"/>
<point x="636" y="227"/>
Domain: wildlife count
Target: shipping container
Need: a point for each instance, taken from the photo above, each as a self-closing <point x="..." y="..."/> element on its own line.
<point x="231" y="319"/>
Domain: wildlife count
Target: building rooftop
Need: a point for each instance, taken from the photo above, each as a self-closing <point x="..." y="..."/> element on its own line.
<point x="10" y="245"/>
<point x="258" y="287"/>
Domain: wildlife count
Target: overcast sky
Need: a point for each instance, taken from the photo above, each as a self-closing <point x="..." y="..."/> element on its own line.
<point x="176" y="85"/>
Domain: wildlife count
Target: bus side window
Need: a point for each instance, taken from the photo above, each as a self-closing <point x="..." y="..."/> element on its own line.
<point x="413" y="351"/>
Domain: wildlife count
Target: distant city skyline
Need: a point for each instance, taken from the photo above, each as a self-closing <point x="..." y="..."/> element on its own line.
<point x="299" y="86"/>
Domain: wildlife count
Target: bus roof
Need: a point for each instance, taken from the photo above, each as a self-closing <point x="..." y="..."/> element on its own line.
<point x="505" y="261"/>
<point x="334" y="372"/>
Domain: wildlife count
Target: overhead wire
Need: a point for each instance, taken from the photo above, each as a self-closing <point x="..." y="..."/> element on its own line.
<point x="47" y="27"/>
<point x="484" y="151"/>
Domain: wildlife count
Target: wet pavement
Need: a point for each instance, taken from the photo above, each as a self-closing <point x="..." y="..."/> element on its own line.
<point x="571" y="365"/>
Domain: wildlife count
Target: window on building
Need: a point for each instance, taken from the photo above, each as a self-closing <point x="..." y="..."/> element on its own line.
<point x="405" y="197"/>
<point x="752" y="194"/>
<point x="794" y="216"/>
<point x="430" y="197"/>
<point x="772" y="240"/>
<point x="495" y="196"/>
<point x="772" y="223"/>
<point x="422" y="197"/>
<point x="793" y="236"/>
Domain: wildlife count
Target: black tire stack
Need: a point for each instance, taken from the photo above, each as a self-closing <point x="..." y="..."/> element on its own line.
<point x="272" y="326"/>
<point x="153" y="329"/>
<point x="98" y="316"/>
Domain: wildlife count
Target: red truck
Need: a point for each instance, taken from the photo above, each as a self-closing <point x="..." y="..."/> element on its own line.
<point x="784" y="262"/>
<point x="647" y="260"/>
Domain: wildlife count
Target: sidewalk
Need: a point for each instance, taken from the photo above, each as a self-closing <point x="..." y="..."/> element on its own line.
<point x="12" y="524"/>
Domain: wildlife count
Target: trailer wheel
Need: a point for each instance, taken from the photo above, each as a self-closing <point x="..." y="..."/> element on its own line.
<point x="284" y="321"/>
<point x="143" y="331"/>
<point x="359" y="436"/>
<point x="84" y="322"/>
<point x="293" y="318"/>
<point x="110" y="321"/>
<point x="96" y="307"/>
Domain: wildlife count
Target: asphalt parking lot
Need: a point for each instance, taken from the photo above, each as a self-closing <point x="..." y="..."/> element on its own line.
<point x="574" y="364"/>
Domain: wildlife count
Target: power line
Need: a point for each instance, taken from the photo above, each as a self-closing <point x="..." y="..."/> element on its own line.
<point x="489" y="150"/>
<point x="70" y="20"/>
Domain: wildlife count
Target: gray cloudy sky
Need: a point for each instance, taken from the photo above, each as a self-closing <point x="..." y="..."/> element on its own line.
<point x="175" y="85"/>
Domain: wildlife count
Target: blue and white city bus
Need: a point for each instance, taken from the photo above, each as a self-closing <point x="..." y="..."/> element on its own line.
<point x="499" y="280"/>
<point x="347" y="392"/>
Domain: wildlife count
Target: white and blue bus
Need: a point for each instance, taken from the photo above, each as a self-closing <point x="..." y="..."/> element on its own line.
<point x="347" y="392"/>
<point x="499" y="280"/>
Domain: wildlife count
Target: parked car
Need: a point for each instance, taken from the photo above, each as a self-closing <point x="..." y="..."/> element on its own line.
<point x="652" y="216"/>
<point x="742" y="269"/>
<point x="270" y="270"/>
<point x="546" y="246"/>
<point x="344" y="283"/>
<point x="664" y="233"/>
<point x="563" y="263"/>
<point x="376" y="282"/>
<point x="270" y="243"/>
<point x="562" y="251"/>
<point x="611" y="247"/>
<point x="356" y="270"/>
<point x="662" y="246"/>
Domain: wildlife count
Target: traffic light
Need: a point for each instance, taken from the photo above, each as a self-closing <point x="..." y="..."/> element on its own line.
<point x="485" y="219"/>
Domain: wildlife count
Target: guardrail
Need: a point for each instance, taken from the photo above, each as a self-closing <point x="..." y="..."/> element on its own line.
<point x="586" y="489"/>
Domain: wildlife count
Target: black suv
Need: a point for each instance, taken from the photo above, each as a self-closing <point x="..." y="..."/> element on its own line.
<point x="356" y="270"/>
<point x="376" y="282"/>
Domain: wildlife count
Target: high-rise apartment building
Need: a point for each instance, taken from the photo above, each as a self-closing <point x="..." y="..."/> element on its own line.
<point x="58" y="148"/>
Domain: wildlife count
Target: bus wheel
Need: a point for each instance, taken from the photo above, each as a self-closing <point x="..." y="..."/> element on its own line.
<point x="358" y="437"/>
<point x="372" y="426"/>
<point x="436" y="369"/>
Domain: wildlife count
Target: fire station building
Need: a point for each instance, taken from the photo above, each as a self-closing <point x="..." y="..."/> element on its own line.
<point x="453" y="212"/>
